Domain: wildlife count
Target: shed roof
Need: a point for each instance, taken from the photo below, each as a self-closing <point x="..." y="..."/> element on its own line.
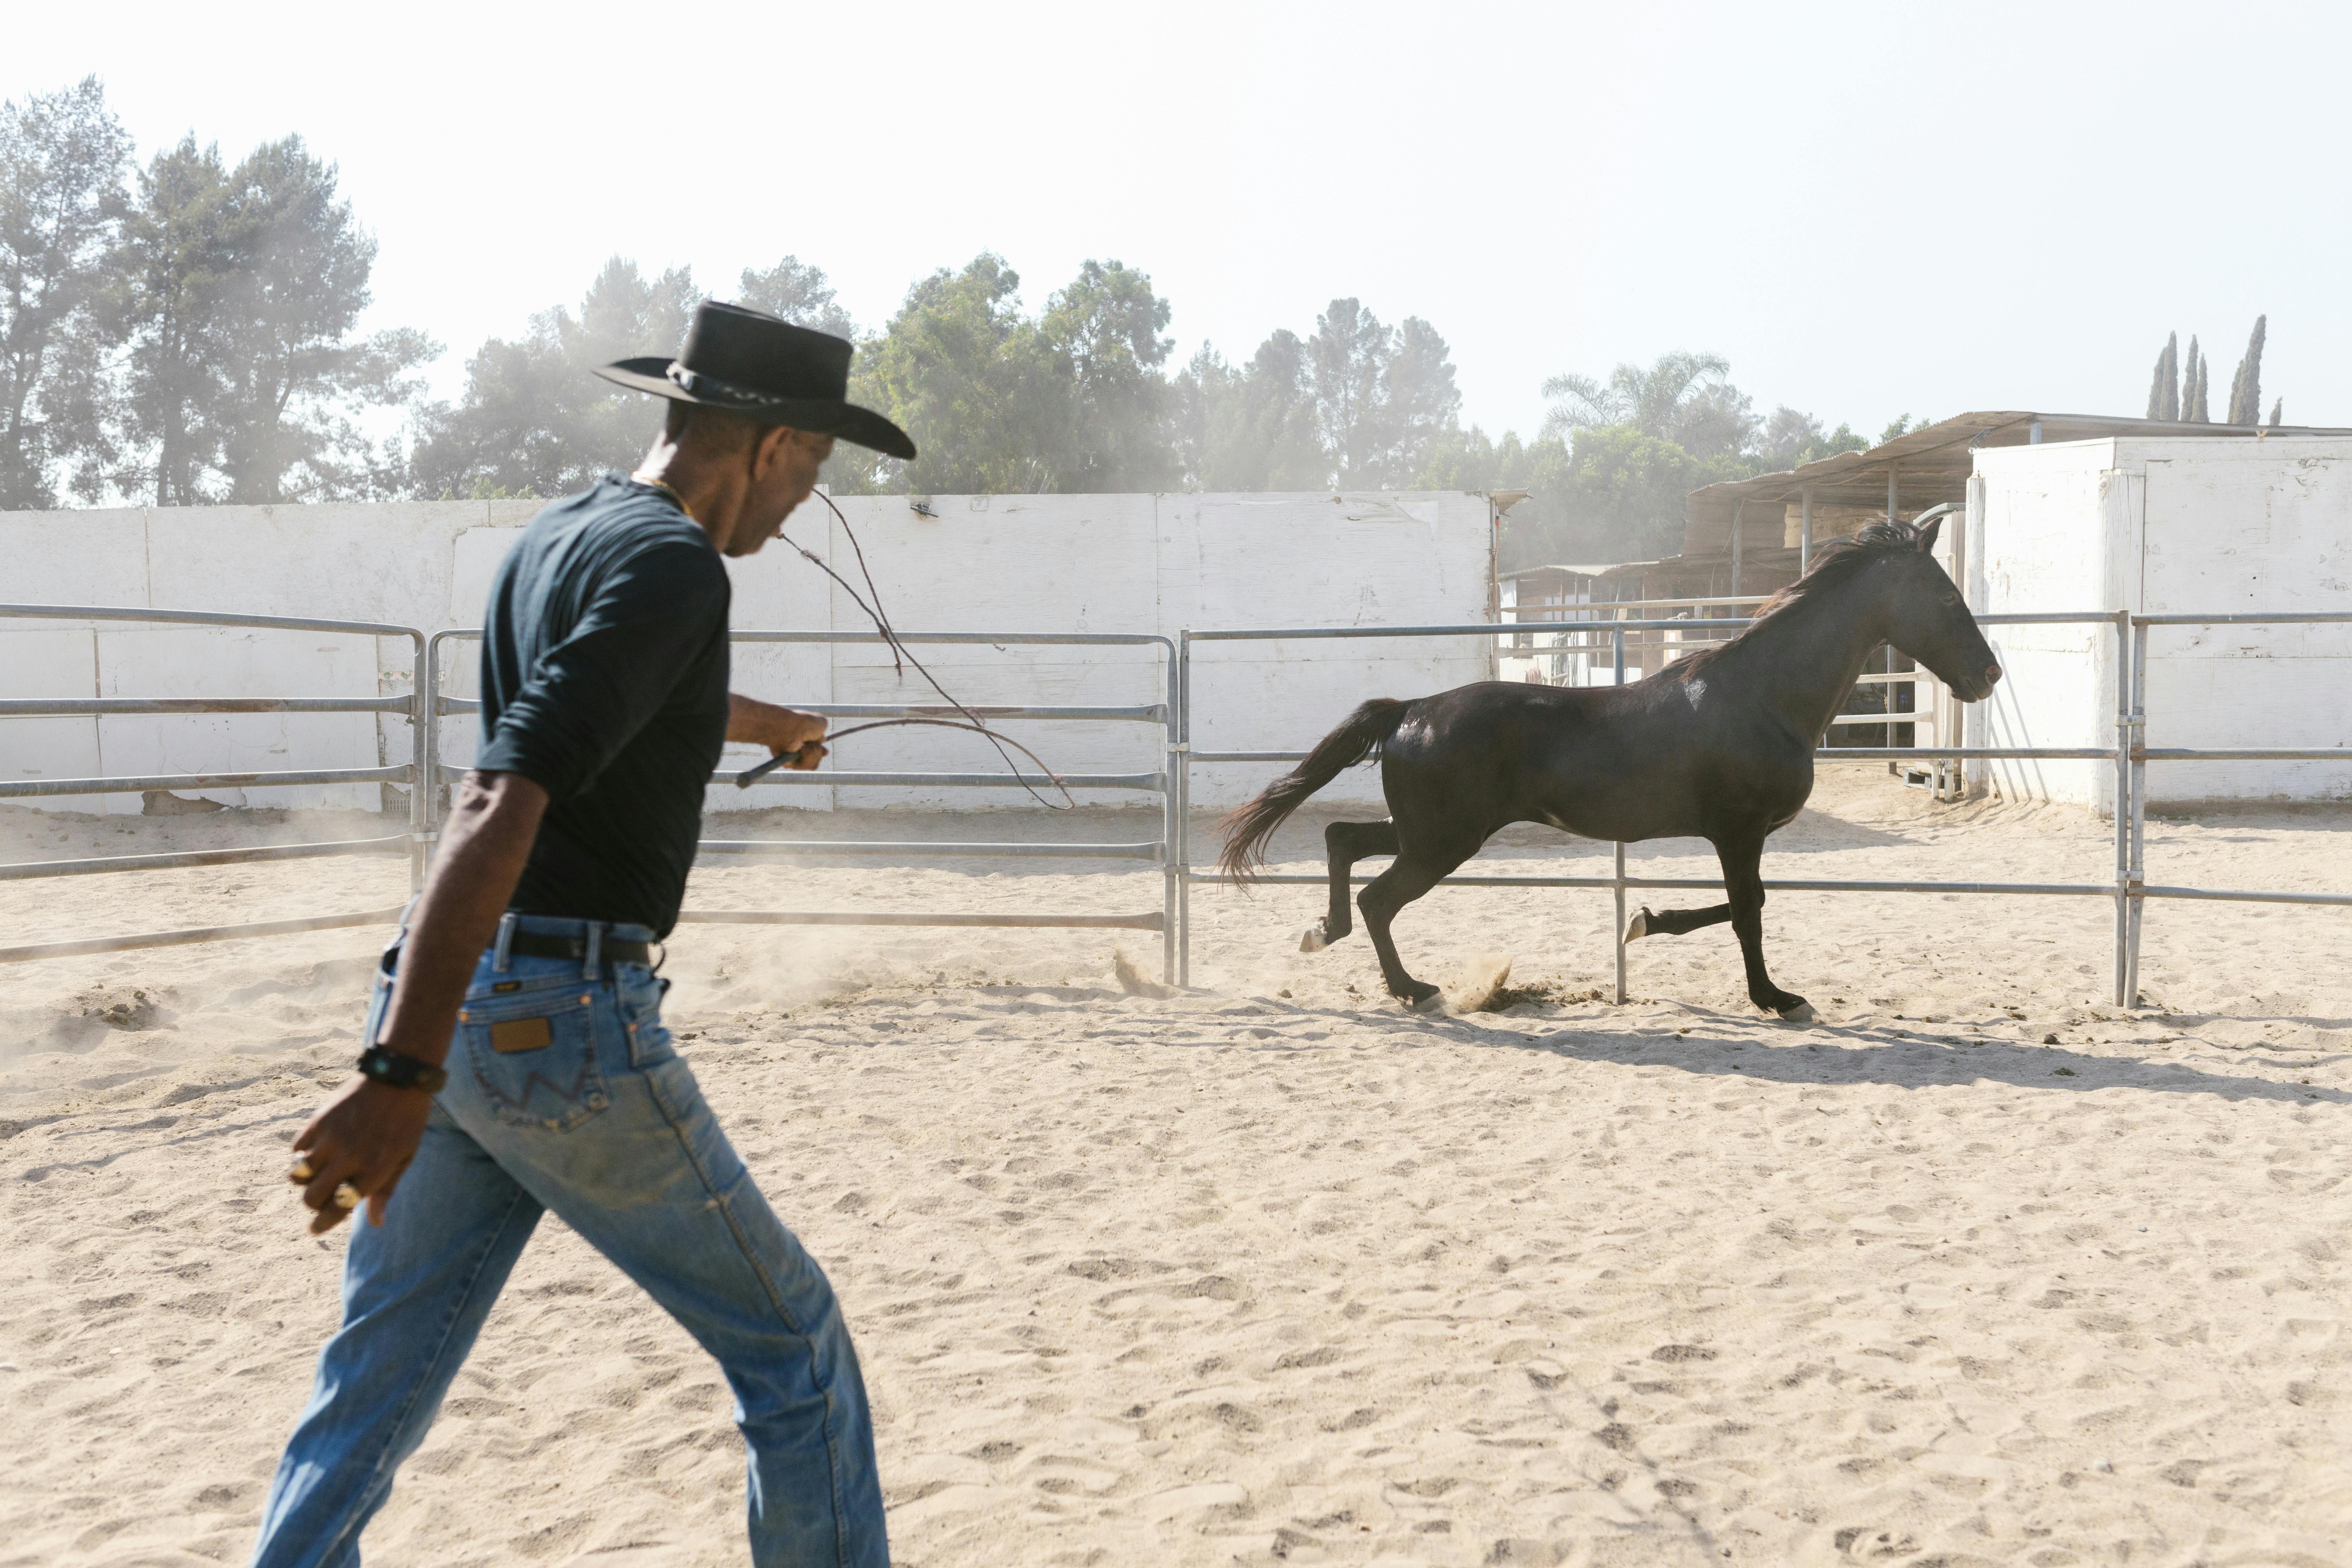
<point x="1931" y="464"/>
<point x="1591" y="571"/>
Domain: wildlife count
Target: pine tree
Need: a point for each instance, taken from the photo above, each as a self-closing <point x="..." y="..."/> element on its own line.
<point x="2164" y="391"/>
<point x="2246" y="387"/>
<point x="62" y="157"/>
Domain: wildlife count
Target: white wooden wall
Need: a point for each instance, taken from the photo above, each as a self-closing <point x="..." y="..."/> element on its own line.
<point x="994" y="563"/>
<point x="2158" y="527"/>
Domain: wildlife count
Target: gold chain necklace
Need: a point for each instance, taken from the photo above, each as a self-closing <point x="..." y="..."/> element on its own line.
<point x="657" y="485"/>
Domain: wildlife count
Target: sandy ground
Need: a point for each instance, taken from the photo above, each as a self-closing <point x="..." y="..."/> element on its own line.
<point x="1974" y="1269"/>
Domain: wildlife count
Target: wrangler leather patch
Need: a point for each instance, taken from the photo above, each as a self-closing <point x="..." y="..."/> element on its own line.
<point x="518" y="1035"/>
<point x="505" y="986"/>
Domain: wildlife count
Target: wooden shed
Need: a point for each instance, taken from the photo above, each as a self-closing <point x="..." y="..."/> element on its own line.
<point x="1756" y="535"/>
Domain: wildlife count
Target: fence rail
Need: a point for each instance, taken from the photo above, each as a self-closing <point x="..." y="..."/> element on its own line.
<point x="2128" y="754"/>
<point x="426" y="704"/>
<point x="1161" y="851"/>
<point x="416" y="843"/>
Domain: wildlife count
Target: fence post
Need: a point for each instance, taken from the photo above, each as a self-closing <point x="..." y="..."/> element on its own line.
<point x="1172" y="768"/>
<point x="2138" y="869"/>
<point x="1183" y="807"/>
<point x="421" y="791"/>
<point x="1617" y="638"/>
<point x="2122" y="805"/>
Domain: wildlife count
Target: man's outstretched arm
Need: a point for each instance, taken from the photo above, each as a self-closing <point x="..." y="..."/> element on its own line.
<point x="368" y="1132"/>
<point x="780" y="730"/>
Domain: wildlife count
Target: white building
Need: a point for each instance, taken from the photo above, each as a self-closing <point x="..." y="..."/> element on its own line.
<point x="2165" y="525"/>
<point x="2069" y="512"/>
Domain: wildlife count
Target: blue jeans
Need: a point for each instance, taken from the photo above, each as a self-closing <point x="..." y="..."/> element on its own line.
<point x="566" y="1093"/>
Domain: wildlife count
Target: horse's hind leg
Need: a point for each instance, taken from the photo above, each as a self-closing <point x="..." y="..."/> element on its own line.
<point x="1673" y="922"/>
<point x="1743" y="878"/>
<point x="1346" y="843"/>
<point x="1413" y="874"/>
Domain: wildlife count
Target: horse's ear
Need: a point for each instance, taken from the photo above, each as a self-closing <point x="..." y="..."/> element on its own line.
<point x="1927" y="535"/>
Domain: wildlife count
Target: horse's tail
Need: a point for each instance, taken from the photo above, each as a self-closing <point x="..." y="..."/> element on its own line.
<point x="1367" y="731"/>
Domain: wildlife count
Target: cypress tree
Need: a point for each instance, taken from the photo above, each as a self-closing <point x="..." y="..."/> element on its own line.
<point x="2246" y="387"/>
<point x="2164" y="390"/>
<point x="2278" y="405"/>
<point x="2195" y="396"/>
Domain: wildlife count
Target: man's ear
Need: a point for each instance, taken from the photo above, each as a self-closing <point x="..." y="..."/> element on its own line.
<point x="769" y="451"/>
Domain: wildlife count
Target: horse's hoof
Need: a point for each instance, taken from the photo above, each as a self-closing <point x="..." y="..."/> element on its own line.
<point x="1312" y="939"/>
<point x="1419" y="997"/>
<point x="1639" y="926"/>
<point x="1795" y="1009"/>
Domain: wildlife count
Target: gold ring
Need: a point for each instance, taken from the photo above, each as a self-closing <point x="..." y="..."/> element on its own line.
<point x="347" y="1196"/>
<point x="301" y="1171"/>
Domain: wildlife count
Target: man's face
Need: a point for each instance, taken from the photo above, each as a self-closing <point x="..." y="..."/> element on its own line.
<point x="784" y="464"/>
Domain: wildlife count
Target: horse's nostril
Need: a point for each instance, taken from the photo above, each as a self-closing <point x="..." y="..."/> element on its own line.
<point x="1993" y="676"/>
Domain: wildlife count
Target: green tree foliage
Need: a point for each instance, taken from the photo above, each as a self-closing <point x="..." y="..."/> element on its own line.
<point x="1686" y="398"/>
<point x="2163" y="389"/>
<point x="1249" y="428"/>
<point x="1103" y="331"/>
<point x="1790" y="438"/>
<point x="797" y="293"/>
<point x="2246" y="386"/>
<point x="174" y="269"/>
<point x="1620" y="455"/>
<point x="535" y="419"/>
<point x="1359" y="405"/>
<point x="63" y="159"/>
<point x="2190" y="400"/>
<point x="964" y="372"/>
<point x="1072" y="399"/>
<point x="242" y="289"/>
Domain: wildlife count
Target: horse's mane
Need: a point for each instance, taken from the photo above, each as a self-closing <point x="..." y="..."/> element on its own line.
<point x="1836" y="563"/>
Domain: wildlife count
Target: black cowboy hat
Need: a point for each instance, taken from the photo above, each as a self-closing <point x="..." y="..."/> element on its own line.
<point x="750" y="362"/>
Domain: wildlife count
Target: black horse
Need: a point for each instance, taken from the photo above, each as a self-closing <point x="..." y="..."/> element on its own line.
<point x="1718" y="745"/>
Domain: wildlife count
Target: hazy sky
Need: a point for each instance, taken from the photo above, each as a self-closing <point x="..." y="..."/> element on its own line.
<point x="1871" y="209"/>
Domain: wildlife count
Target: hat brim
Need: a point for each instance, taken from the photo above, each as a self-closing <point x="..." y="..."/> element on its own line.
<point x="826" y="416"/>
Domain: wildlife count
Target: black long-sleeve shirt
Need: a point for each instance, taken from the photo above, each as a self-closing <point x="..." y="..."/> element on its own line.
<point x="605" y="682"/>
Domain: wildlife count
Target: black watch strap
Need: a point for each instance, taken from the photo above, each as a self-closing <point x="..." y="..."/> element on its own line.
<point x="398" y="1071"/>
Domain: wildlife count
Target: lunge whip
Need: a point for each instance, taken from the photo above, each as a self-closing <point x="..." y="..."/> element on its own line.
<point x="900" y="657"/>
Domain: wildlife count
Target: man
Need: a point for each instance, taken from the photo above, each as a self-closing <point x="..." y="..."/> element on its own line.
<point x="517" y="1061"/>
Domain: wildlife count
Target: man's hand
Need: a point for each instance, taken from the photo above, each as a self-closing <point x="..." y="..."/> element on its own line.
<point x="364" y="1136"/>
<point x="367" y="1132"/>
<point x="780" y="729"/>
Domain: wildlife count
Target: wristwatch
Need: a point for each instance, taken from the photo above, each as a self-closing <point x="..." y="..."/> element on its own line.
<point x="397" y="1071"/>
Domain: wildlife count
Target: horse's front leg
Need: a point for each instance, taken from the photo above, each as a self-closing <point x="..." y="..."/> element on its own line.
<point x="1346" y="843"/>
<point x="1743" y="882"/>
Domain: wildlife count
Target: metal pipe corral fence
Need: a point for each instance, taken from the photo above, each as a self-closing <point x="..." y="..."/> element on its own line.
<point x="2128" y="754"/>
<point x="426" y="705"/>
<point x="1160" y="714"/>
<point x="414" y="843"/>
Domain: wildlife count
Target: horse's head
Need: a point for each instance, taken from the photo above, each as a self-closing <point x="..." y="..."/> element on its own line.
<point x="1929" y="620"/>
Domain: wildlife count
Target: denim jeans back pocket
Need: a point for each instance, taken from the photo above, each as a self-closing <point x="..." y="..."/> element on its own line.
<point x="535" y="1057"/>
<point x="641" y="992"/>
